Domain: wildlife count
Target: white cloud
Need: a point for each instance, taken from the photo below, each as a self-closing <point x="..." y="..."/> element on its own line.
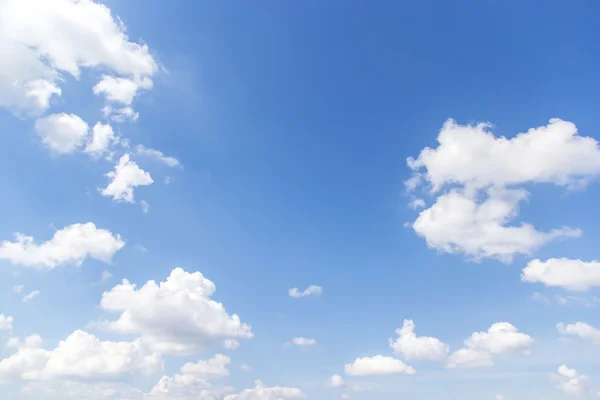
<point x="567" y="273"/>
<point x="378" y="365"/>
<point x="472" y="156"/>
<point x="417" y="203"/>
<point x="145" y="206"/>
<point x="120" y="115"/>
<point x="126" y="176"/>
<point x="106" y="275"/>
<point x="157" y="155"/>
<point x="569" y="381"/>
<point x="302" y="341"/>
<point x="412" y="347"/>
<point x="70" y="245"/>
<point x="481" y="171"/>
<point x="457" y="223"/>
<point x="121" y="90"/>
<point x="193" y="381"/>
<point x="581" y="329"/>
<point x="31" y="296"/>
<point x="177" y="316"/>
<point x="6" y="322"/>
<point x="102" y="138"/>
<point x="312" y="290"/>
<point x="245" y="368"/>
<point x="62" y="133"/>
<point x="81" y="356"/>
<point x="61" y="390"/>
<point x="501" y="337"/>
<point x="338" y="382"/>
<point x="499" y="397"/>
<point x="45" y="39"/>
<point x="262" y="392"/>
<point x="469" y="358"/>
<point x="18" y="288"/>
<point x="231" y="344"/>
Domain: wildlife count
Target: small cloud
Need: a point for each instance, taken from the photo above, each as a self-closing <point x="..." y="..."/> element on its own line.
<point x="246" y="368"/>
<point x="18" y="288"/>
<point x="145" y="206"/>
<point x="417" y="203"/>
<point x="106" y="275"/>
<point x="31" y="296"/>
<point x="540" y="298"/>
<point x="302" y="341"/>
<point x="312" y="290"/>
<point x="157" y="155"/>
<point x="169" y="179"/>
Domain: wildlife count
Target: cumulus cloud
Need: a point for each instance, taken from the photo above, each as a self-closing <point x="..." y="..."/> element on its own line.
<point x="580" y="329"/>
<point x="569" y="381"/>
<point x="176" y="316"/>
<point x="459" y="223"/>
<point x="193" y="381"/>
<point x="312" y="290"/>
<point x="70" y="245"/>
<point x="103" y="136"/>
<point x="121" y="90"/>
<point x="157" y="155"/>
<point x="80" y="357"/>
<point x="62" y="133"/>
<point x="46" y="40"/>
<point x="480" y="172"/>
<point x="378" y="365"/>
<point x="126" y="176"/>
<point x="6" y="322"/>
<point x="501" y="337"/>
<point x="567" y="273"/>
<point x="412" y="347"/>
<point x="262" y="392"/>
<point x="338" y="382"/>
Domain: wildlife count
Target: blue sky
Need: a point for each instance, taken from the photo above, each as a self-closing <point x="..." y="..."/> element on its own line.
<point x="291" y="124"/>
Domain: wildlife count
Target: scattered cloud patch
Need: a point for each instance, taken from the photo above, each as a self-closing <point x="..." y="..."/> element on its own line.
<point x="378" y="365"/>
<point x="412" y="347"/>
<point x="157" y="155"/>
<point x="312" y="290"/>
<point x="580" y="329"/>
<point x="569" y="381"/>
<point x="126" y="176"/>
<point x="31" y="296"/>
<point x="62" y="133"/>
<point x="570" y="274"/>
<point x="70" y="245"/>
<point x="262" y="392"/>
<point x="6" y="322"/>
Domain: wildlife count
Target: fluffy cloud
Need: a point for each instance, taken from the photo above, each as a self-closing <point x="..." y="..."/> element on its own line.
<point x="473" y="216"/>
<point x="6" y="322"/>
<point x="378" y="365"/>
<point x="62" y="133"/>
<point x="70" y="245"/>
<point x="31" y="296"/>
<point x="580" y="329"/>
<point x="458" y="223"/>
<point x="102" y="138"/>
<point x="569" y="381"/>
<point x="177" y="316"/>
<point x="157" y="155"/>
<point x="79" y="357"/>
<point x="193" y="381"/>
<point x="262" y="392"/>
<point x="412" y="347"/>
<point x="302" y="341"/>
<point x="312" y="290"/>
<point x="338" y="382"/>
<point x="46" y="39"/>
<point x="126" y="176"/>
<point x="570" y="274"/>
<point x="120" y="90"/>
<point x="501" y="337"/>
<point x="470" y="155"/>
